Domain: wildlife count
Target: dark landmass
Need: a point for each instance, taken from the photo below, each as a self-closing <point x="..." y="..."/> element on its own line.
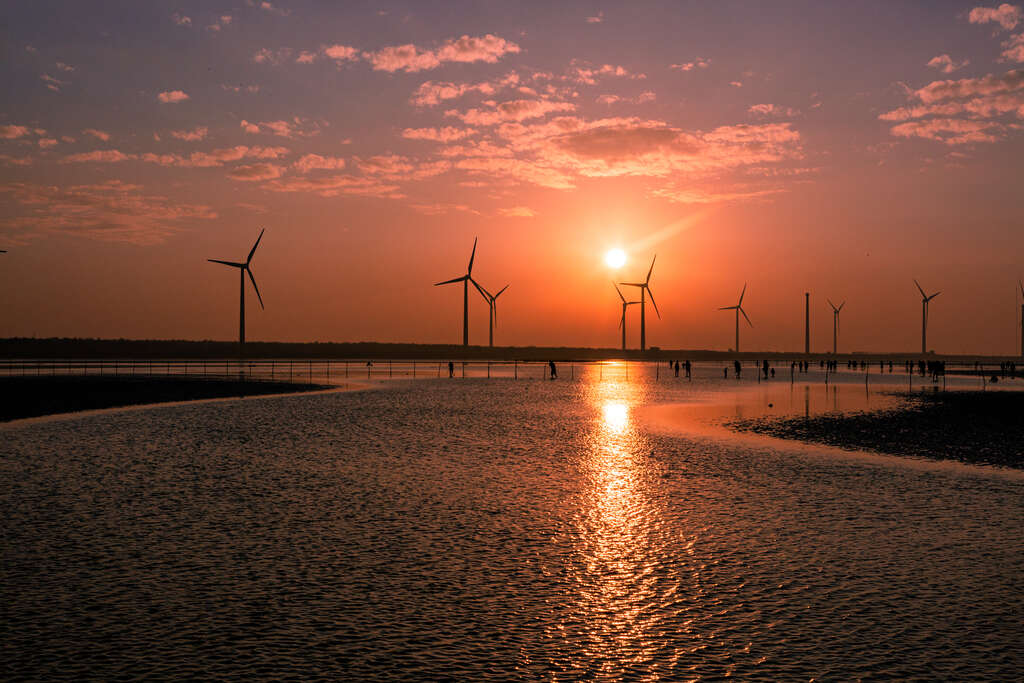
<point x="970" y="426"/>
<point x="23" y="347"/>
<point x="22" y="397"/>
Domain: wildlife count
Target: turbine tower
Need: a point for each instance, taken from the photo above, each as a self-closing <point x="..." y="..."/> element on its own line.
<point x="622" y="320"/>
<point x="925" y="300"/>
<point x="835" y="322"/>
<point x="807" y="322"/>
<point x="465" y="280"/>
<point x="1021" y="284"/>
<point x="645" y="289"/>
<point x="492" y="304"/>
<point x="243" y="268"/>
<point x="739" y="309"/>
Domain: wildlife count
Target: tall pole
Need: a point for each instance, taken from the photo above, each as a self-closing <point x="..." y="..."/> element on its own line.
<point x="835" y="327"/>
<point x="737" y="329"/>
<point x="1022" y="330"/>
<point x="490" y="323"/>
<point x="924" y="327"/>
<point x="623" y="327"/>
<point x="465" y="311"/>
<point x="241" y="311"/>
<point x="643" y="322"/>
<point x="807" y="322"/>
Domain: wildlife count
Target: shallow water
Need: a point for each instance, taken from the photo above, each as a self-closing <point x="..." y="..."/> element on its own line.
<point x="497" y="529"/>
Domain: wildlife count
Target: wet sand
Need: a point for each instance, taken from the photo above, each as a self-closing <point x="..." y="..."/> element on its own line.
<point x="969" y="426"/>
<point x="23" y="397"/>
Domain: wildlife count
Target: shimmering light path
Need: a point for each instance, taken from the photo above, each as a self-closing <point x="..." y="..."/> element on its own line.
<point x="493" y="529"/>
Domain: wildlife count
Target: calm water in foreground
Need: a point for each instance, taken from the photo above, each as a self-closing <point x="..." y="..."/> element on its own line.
<point x="494" y="529"/>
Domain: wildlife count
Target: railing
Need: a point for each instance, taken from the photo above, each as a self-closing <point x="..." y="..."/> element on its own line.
<point x="336" y="371"/>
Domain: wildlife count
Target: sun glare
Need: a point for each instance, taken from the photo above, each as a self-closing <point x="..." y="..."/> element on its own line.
<point x="615" y="258"/>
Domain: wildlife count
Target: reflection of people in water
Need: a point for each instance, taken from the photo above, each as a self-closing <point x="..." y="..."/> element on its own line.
<point x="451" y="369"/>
<point x="554" y="371"/>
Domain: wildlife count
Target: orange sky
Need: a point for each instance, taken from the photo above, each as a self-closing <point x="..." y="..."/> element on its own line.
<point x="810" y="147"/>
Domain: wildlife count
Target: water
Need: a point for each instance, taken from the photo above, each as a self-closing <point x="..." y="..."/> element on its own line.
<point x="494" y="529"/>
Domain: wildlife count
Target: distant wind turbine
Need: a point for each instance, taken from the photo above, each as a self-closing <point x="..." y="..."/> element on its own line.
<point x="622" y="321"/>
<point x="645" y="289"/>
<point x="465" y="280"/>
<point x="739" y="309"/>
<point x="492" y="305"/>
<point x="925" y="300"/>
<point x="835" y="322"/>
<point x="243" y="268"/>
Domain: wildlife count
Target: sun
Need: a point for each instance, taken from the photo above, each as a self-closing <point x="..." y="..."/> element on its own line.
<point x="615" y="258"/>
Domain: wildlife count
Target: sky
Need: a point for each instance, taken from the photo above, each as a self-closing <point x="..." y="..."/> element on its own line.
<point x="842" y="149"/>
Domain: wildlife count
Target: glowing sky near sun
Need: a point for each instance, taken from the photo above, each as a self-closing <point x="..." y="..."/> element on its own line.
<point x="837" y="148"/>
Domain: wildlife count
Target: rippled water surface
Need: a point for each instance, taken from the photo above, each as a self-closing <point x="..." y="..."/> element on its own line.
<point x="499" y="529"/>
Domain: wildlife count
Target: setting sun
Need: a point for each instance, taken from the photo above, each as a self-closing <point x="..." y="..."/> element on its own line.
<point x="615" y="258"/>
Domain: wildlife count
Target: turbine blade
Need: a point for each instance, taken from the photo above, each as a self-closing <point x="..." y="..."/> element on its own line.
<point x="255" y="287"/>
<point x="471" y="257"/>
<point x="619" y="291"/>
<point x="633" y="284"/>
<point x="227" y="263"/>
<point x="253" y="250"/>
<point x="500" y="291"/>
<point x="934" y="295"/>
<point x="741" y="294"/>
<point x="483" y="292"/>
<point x="448" y="282"/>
<point x="651" y="270"/>
<point x="622" y="320"/>
<point x="841" y="306"/>
<point x="830" y="303"/>
<point x="727" y="308"/>
<point x="651" y="294"/>
<point x="745" y="315"/>
<point x="920" y="290"/>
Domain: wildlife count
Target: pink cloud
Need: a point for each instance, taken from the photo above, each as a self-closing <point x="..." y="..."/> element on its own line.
<point x="46" y="142"/>
<point x="409" y="58"/>
<point x="197" y="133"/>
<point x="305" y="57"/>
<point x="342" y="53"/>
<point x="99" y="134"/>
<point x="12" y="132"/>
<point x="333" y="185"/>
<point x="65" y="67"/>
<point x="596" y="19"/>
<point x="445" y="134"/>
<point x="267" y="56"/>
<point x="181" y="19"/>
<point x="969" y="87"/>
<point x="1005" y="15"/>
<point x="514" y="110"/>
<point x="646" y="96"/>
<point x="946" y="65"/>
<point x="771" y="110"/>
<point x="1013" y="48"/>
<point x="699" y="63"/>
<point x="295" y="128"/>
<point x="52" y="83"/>
<point x="103" y="156"/>
<point x="172" y="96"/>
<point x="15" y="161"/>
<point x="113" y="211"/>
<point x="254" y="172"/>
<point x="586" y="75"/>
<point x="241" y="88"/>
<point x="311" y="162"/>
<point x="430" y="93"/>
<point x="949" y="131"/>
<point x="439" y="208"/>
<point x="217" y="157"/>
<point x="270" y="7"/>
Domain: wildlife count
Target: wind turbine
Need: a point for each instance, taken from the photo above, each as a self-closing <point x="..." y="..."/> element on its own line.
<point x="925" y="299"/>
<point x="645" y="289"/>
<point x="835" y="322"/>
<point x="243" y="268"/>
<point x="739" y="309"/>
<point x="492" y="304"/>
<point x="622" y="321"/>
<point x="465" y="280"/>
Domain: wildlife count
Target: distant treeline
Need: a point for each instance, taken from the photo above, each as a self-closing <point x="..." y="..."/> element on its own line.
<point x="23" y="347"/>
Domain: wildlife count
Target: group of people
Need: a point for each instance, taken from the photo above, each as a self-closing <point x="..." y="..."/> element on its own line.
<point x="674" y="364"/>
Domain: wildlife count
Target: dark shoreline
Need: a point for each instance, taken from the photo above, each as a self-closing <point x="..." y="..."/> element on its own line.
<point x="977" y="427"/>
<point x="23" y="397"/>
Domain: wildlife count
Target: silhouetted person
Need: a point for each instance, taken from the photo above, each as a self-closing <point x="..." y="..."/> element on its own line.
<point x="773" y="373"/>
<point x="451" y="369"/>
<point x="737" y="368"/>
<point x="677" y="369"/>
<point x="725" y="372"/>
<point x="890" y="367"/>
<point x="552" y="369"/>
<point x="764" y="368"/>
<point x="687" y="369"/>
